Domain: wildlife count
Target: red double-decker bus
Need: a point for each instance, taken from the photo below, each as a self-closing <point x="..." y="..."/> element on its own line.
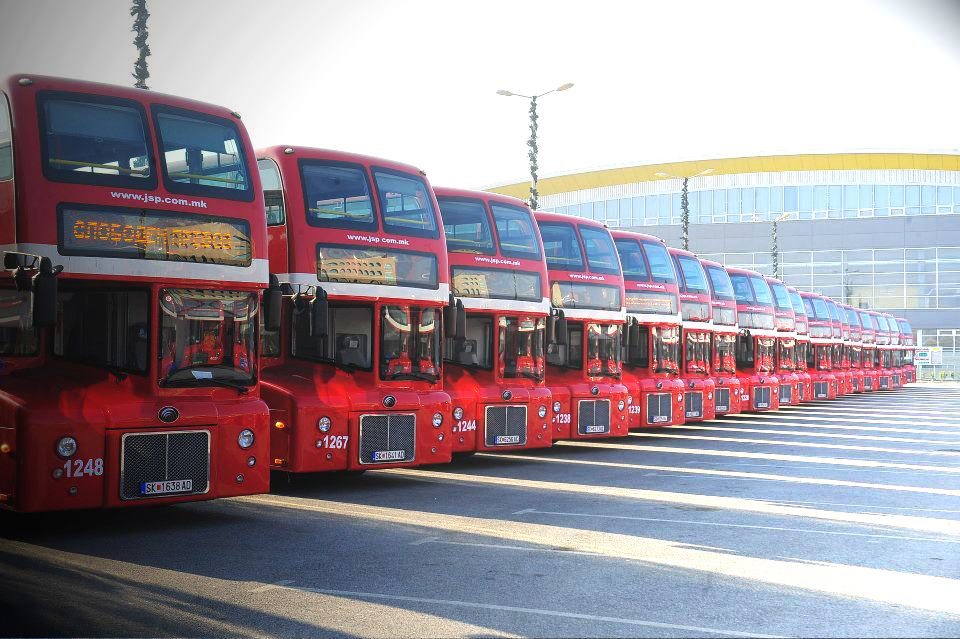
<point x="840" y="333"/>
<point x="804" y="388"/>
<point x="907" y="347"/>
<point x="883" y="358"/>
<point x="584" y="349"/>
<point x="696" y="311"/>
<point x="133" y="228"/>
<point x="651" y="353"/>
<point x="786" y="351"/>
<point x="354" y="376"/>
<point x="854" y="346"/>
<point x="869" y="356"/>
<point x="820" y="355"/>
<point x="494" y="371"/>
<point x="896" y="352"/>
<point x="756" y="344"/>
<point x="727" y="396"/>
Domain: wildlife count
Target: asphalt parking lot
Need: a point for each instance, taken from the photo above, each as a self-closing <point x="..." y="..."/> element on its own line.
<point x="833" y="519"/>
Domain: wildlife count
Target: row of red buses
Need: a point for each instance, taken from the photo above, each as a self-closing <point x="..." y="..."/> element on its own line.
<point x="204" y="313"/>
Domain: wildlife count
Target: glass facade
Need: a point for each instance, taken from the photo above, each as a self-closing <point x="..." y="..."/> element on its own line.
<point x="766" y="203"/>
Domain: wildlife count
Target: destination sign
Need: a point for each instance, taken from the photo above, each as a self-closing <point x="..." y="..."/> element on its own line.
<point x="381" y="267"/>
<point x="155" y="236"/>
<point x="589" y="296"/>
<point x="651" y="302"/>
<point x="497" y="284"/>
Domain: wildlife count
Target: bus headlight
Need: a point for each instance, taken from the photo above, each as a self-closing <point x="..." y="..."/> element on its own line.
<point x="621" y="404"/>
<point x="458" y="413"/>
<point x="246" y="438"/>
<point x="542" y="412"/>
<point x="66" y="447"/>
<point x="324" y="424"/>
<point x="556" y="407"/>
<point x="437" y="420"/>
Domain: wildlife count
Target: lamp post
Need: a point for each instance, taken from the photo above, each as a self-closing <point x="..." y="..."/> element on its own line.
<point x="532" y="142"/>
<point x="684" y="203"/>
<point x="775" y="244"/>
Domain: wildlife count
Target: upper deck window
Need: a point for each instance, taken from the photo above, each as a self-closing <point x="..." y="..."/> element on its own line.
<point x="631" y="260"/>
<point x="797" y="302"/>
<point x="6" y="140"/>
<point x="337" y="195"/>
<point x="881" y="322"/>
<point x="94" y="140"/>
<point x="741" y="289"/>
<point x="834" y="311"/>
<point x="202" y="155"/>
<point x="601" y="254"/>
<point x="272" y="191"/>
<point x="865" y="321"/>
<point x="852" y="318"/>
<point x="407" y="204"/>
<point x="821" y="309"/>
<point x="518" y="237"/>
<point x="661" y="266"/>
<point x="762" y="292"/>
<point x="561" y="246"/>
<point x="782" y="297"/>
<point x="466" y="226"/>
<point x="905" y="327"/>
<point x="693" y="276"/>
<point x="720" y="283"/>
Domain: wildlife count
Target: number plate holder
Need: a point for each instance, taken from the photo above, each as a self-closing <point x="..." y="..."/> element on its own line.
<point x="169" y="487"/>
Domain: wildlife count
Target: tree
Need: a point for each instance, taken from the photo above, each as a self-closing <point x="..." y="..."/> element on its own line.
<point x="685" y="215"/>
<point x="532" y="154"/>
<point x="775" y="250"/>
<point x="140" y="15"/>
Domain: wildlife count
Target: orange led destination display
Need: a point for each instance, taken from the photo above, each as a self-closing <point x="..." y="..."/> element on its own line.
<point x="651" y="302"/>
<point x="152" y="236"/>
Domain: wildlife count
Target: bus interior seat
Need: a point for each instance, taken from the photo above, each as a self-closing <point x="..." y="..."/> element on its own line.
<point x="467" y="352"/>
<point x="351" y="350"/>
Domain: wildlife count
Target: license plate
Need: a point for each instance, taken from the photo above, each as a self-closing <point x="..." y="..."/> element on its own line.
<point x="595" y="428"/>
<point x="693" y="413"/>
<point x="659" y="419"/>
<point x="722" y="408"/>
<point x="507" y="439"/>
<point x="763" y="405"/>
<point x="821" y="395"/>
<point x="165" y="487"/>
<point x="388" y="455"/>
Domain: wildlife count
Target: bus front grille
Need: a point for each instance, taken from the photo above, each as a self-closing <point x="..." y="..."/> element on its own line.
<point x="694" y="404"/>
<point x="868" y="383"/>
<point x="505" y="426"/>
<point x="821" y="390"/>
<point x="786" y="393"/>
<point x="593" y="416"/>
<point x="723" y="400"/>
<point x="761" y="397"/>
<point x="884" y="383"/>
<point x="164" y="464"/>
<point x="659" y="408"/>
<point x="387" y="438"/>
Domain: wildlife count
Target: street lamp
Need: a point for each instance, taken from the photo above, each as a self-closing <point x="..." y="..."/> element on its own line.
<point x="532" y="142"/>
<point x="684" y="203"/>
<point x="775" y="243"/>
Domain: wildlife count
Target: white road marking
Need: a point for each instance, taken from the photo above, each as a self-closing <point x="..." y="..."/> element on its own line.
<point x="800" y="433"/>
<point x="274" y="586"/>
<point x="534" y="611"/>
<point x="794" y="444"/>
<point x="811" y="531"/>
<point x="832" y="503"/>
<point x="447" y="542"/>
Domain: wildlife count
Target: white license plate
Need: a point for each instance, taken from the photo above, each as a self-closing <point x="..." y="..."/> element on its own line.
<point x="165" y="487"/>
<point x="693" y="413"/>
<point x="388" y="455"/>
<point x="507" y="439"/>
<point x="763" y="405"/>
<point x="595" y="428"/>
<point x="722" y="408"/>
<point x="659" y="419"/>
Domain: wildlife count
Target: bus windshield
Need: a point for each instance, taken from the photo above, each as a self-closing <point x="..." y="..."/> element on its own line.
<point x="694" y="279"/>
<point x="466" y="226"/>
<point x="821" y="309"/>
<point x="797" y="302"/>
<point x="601" y="254"/>
<point x="18" y="337"/>
<point x="661" y="266"/>
<point x="742" y="289"/>
<point x="720" y="284"/>
<point x="762" y="292"/>
<point x="603" y="350"/>
<point x="631" y="261"/>
<point x="521" y="347"/>
<point x="561" y="246"/>
<point x="516" y="231"/>
<point x="409" y="343"/>
<point x="781" y="296"/>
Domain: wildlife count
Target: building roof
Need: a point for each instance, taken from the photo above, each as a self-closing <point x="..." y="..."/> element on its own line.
<point x="728" y="166"/>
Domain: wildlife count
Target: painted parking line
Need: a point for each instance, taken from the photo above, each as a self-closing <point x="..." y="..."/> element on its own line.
<point x="796" y="444"/>
<point x="560" y="614"/>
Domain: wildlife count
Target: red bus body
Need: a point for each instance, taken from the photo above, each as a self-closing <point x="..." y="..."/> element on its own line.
<point x="896" y="352"/>
<point x="354" y="377"/>
<point x="804" y="389"/>
<point x="854" y="346"/>
<point x="841" y="365"/>
<point x="651" y="359"/>
<point x="142" y="385"/>
<point x="696" y="311"/>
<point x="494" y="374"/>
<point x="907" y="347"/>
<point x="820" y="356"/>
<point x="728" y="393"/>
<point x="786" y="356"/>
<point x="883" y="358"/>
<point x="869" y="355"/>
<point x="583" y="361"/>
<point x="756" y="343"/>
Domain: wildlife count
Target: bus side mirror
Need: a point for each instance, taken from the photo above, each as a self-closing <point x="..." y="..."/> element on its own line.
<point x="273" y="305"/>
<point x="633" y="335"/>
<point x="551" y="329"/>
<point x="561" y="331"/>
<point x="319" y="312"/>
<point x="454" y="319"/>
<point x="461" y="332"/>
<point x="45" y="293"/>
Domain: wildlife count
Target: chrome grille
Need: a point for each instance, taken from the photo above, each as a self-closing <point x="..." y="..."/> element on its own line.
<point x="156" y="457"/>
<point x="884" y="383"/>
<point x="387" y="438"/>
<point x="896" y="380"/>
<point x="856" y="383"/>
<point x="723" y="400"/>
<point x="867" y="383"/>
<point x="694" y="404"/>
<point x="821" y="390"/>
<point x="786" y="393"/>
<point x="659" y="408"/>
<point x="761" y="397"/>
<point x="505" y="426"/>
<point x="593" y="416"/>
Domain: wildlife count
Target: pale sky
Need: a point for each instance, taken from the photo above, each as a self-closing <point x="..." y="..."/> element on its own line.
<point x="416" y="81"/>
